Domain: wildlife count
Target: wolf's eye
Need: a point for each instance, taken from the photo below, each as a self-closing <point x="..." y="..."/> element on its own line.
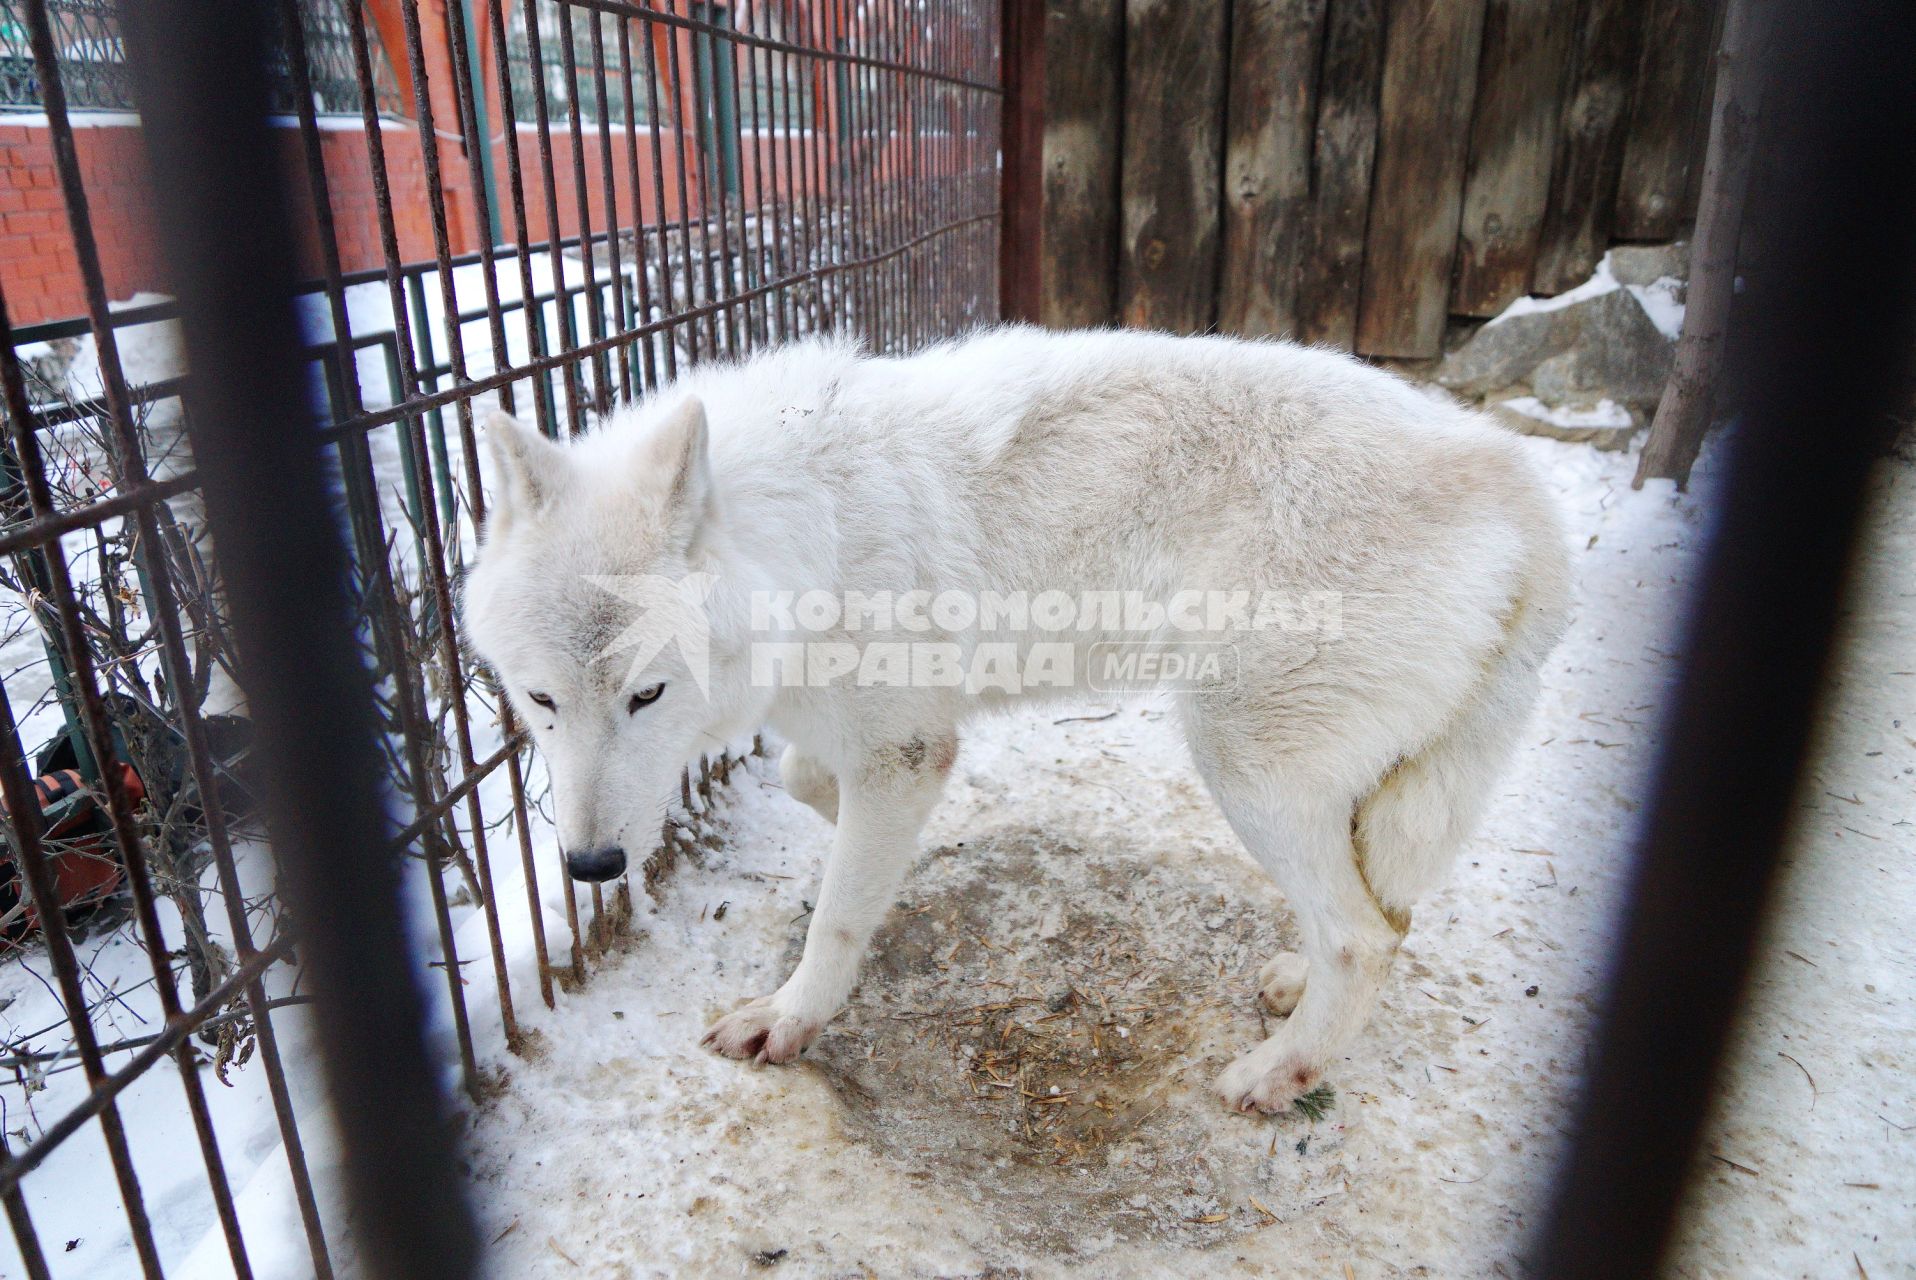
<point x="644" y="698"/>
<point x="543" y="700"/>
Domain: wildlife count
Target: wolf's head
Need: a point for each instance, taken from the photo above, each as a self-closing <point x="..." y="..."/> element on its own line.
<point x="587" y="602"/>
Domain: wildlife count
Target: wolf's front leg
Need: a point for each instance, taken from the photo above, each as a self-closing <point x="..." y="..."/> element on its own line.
<point x="881" y="805"/>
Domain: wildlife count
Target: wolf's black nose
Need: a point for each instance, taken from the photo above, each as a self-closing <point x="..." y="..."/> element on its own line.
<point x="596" y="865"/>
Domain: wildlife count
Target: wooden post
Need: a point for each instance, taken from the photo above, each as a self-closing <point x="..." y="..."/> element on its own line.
<point x="1021" y="189"/>
<point x="1174" y="56"/>
<point x="1583" y="182"/>
<point x="1430" y="82"/>
<point x="1341" y="165"/>
<point x="1684" y="414"/>
<point x="1267" y="162"/>
<point x="1083" y="93"/>
<point x="1512" y="139"/>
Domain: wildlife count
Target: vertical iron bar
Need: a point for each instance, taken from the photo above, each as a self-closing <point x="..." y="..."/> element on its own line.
<point x="555" y="255"/>
<point x="649" y="33"/>
<point x="641" y="242"/>
<point x="25" y="1238"/>
<point x="543" y="410"/>
<point x="440" y="544"/>
<point x="676" y="81"/>
<point x="582" y="193"/>
<point x="622" y="322"/>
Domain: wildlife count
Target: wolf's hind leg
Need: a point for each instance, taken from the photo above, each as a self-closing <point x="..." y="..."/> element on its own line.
<point x="809" y="781"/>
<point x="1302" y="838"/>
<point x="882" y="804"/>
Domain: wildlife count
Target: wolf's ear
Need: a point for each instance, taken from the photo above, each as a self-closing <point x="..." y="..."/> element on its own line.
<point x="527" y="468"/>
<point x="679" y="449"/>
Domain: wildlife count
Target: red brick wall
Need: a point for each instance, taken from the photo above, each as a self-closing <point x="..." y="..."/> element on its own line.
<point x="355" y="209"/>
<point x="40" y="271"/>
<point x="566" y="186"/>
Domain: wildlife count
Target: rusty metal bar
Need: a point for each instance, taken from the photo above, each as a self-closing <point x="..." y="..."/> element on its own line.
<point x="111" y="1086"/>
<point x="575" y="408"/>
<point x="609" y="190"/>
<point x="438" y="574"/>
<point x="24" y="815"/>
<point x="129" y="465"/>
<point x="20" y="1222"/>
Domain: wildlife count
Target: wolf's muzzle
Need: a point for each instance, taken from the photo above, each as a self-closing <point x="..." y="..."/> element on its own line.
<point x="596" y="865"/>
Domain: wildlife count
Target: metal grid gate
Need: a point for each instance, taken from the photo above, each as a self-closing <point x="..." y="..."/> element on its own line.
<point x="700" y="180"/>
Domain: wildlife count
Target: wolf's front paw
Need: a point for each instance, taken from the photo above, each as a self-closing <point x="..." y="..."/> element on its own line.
<point x="760" y="1032"/>
<point x="1251" y="1084"/>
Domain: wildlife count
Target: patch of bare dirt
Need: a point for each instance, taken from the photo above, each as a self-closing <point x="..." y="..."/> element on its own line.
<point x="1046" y="1055"/>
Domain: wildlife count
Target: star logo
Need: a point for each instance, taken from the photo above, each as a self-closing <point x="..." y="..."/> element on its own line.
<point x="667" y="611"/>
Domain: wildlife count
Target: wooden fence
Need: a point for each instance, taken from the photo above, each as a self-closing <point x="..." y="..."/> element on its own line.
<point x="1354" y="172"/>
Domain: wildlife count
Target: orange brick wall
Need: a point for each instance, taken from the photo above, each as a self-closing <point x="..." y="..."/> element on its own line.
<point x="38" y="267"/>
<point x="565" y="185"/>
<point x="355" y="208"/>
<point x="40" y="271"/>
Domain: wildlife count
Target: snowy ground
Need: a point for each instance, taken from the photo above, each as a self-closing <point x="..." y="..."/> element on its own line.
<point x="1079" y="892"/>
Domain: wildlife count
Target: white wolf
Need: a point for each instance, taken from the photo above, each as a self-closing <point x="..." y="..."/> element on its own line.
<point x="1351" y="761"/>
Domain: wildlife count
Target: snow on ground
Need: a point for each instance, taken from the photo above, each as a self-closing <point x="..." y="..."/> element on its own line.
<point x="1078" y="891"/>
<point x="1606" y="412"/>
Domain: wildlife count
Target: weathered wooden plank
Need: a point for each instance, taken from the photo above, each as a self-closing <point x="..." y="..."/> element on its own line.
<point x="1430" y="80"/>
<point x="1174" y="59"/>
<point x="1668" y="126"/>
<point x="1341" y="171"/>
<point x="1513" y="136"/>
<point x="1267" y="162"/>
<point x="1084" y="43"/>
<point x="1583" y="181"/>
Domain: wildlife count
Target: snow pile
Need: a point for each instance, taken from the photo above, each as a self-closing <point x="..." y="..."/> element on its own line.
<point x="1661" y="299"/>
<point x="1605" y="413"/>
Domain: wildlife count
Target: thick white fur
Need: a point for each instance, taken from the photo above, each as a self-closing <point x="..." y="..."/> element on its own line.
<point x="1352" y="766"/>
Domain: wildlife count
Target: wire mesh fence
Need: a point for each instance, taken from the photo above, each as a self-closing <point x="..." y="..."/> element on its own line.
<point x="677" y="182"/>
